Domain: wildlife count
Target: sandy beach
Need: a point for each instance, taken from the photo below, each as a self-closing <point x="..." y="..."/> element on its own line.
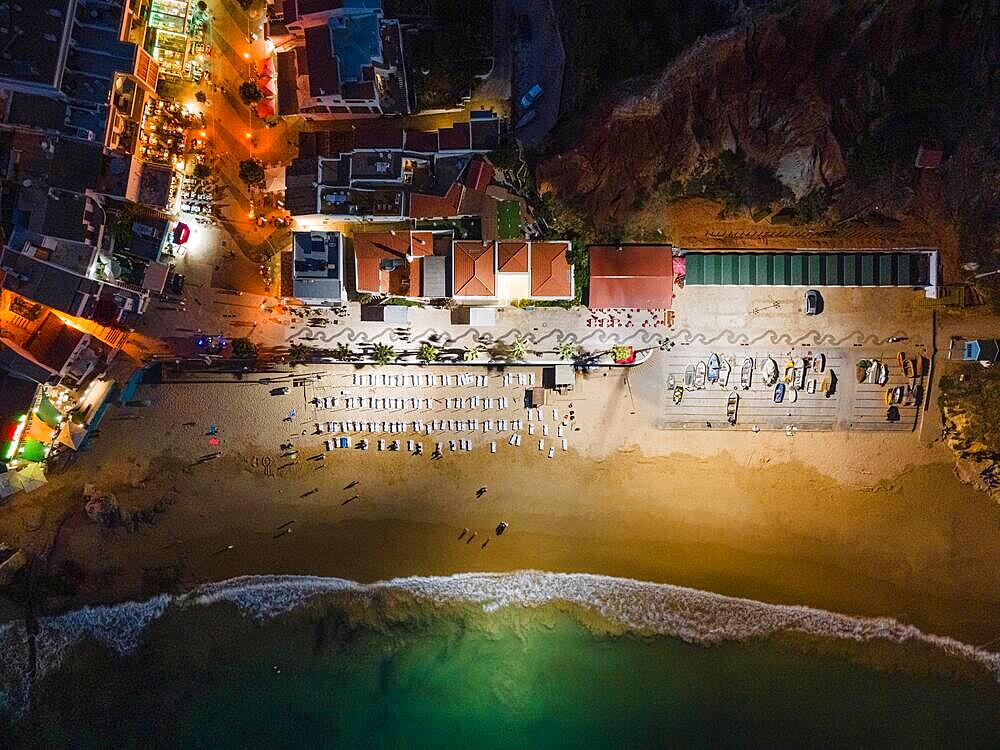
<point x="832" y="520"/>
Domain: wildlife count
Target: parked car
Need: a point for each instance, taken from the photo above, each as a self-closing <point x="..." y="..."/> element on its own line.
<point x="282" y="391"/>
<point x="177" y="283"/>
<point x="529" y="99"/>
<point x="813" y="304"/>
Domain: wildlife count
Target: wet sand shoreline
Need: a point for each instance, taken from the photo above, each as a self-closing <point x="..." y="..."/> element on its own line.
<point x="842" y="549"/>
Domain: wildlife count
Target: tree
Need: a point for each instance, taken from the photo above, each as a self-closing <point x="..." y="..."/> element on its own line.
<point x="384" y="354"/>
<point x="244" y="348"/>
<point x="428" y="353"/>
<point x="568" y="350"/>
<point x="472" y="353"/>
<point x="519" y="348"/>
<point x="245" y="4"/>
<point x="343" y="352"/>
<point x="250" y="92"/>
<point x="298" y="353"/>
<point x="620" y="352"/>
<point x="202" y="171"/>
<point x="201" y="97"/>
<point x="202" y="5"/>
<point x="252" y="172"/>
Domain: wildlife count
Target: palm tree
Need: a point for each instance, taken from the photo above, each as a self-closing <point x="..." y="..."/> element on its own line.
<point x="428" y="353"/>
<point x="343" y="352"/>
<point x="384" y="354"/>
<point x="519" y="348"/>
<point x="298" y="353"/>
<point x="568" y="350"/>
<point x="472" y="353"/>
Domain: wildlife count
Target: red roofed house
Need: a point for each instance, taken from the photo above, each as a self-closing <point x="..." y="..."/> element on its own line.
<point x="339" y="60"/>
<point x="511" y="269"/>
<point x="402" y="263"/>
<point x="551" y="273"/>
<point x="473" y="270"/>
<point x="631" y="276"/>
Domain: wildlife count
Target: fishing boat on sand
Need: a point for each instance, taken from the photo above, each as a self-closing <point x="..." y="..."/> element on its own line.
<point x="830" y="384"/>
<point x="725" y="370"/>
<point x="746" y="374"/>
<point x="671" y="381"/>
<point x="909" y="369"/>
<point x="800" y="374"/>
<point x="819" y="362"/>
<point x="861" y="370"/>
<point x="769" y="371"/>
<point x="678" y="393"/>
<point x="921" y="365"/>
<point x="700" y="373"/>
<point x="882" y="377"/>
<point x="793" y="395"/>
<point x="731" y="406"/>
<point x="689" y="377"/>
<point x="789" y="374"/>
<point x="888" y="396"/>
<point x="713" y="368"/>
<point x="779" y="393"/>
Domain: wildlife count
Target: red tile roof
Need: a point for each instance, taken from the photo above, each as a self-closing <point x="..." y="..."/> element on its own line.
<point x="456" y="138"/>
<point x="378" y="137"/>
<point x="551" y="273"/>
<point x="422" y="140"/>
<point x="478" y="175"/>
<point x="370" y="249"/>
<point x="432" y="206"/>
<point x="512" y="256"/>
<point x="421" y="243"/>
<point x="631" y="276"/>
<point x="473" y="269"/>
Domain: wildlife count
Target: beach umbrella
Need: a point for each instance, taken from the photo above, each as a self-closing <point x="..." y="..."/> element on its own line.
<point x="10" y="483"/>
<point x="265" y="108"/>
<point x="38" y="430"/>
<point x="266" y="67"/>
<point x="268" y="85"/>
<point x="32" y="477"/>
<point x="72" y="435"/>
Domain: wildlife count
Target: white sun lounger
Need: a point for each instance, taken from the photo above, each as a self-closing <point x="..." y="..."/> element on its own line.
<point x="409" y="446"/>
<point x="451" y="445"/>
<point x="531" y="415"/>
<point x="329" y="444"/>
<point x="493" y="446"/>
<point x="513" y="440"/>
<point x="502" y="425"/>
<point x="565" y="444"/>
<point x="541" y="445"/>
<point x="517" y="440"/>
<point x="437" y="447"/>
<point x="552" y="452"/>
<point x="545" y="430"/>
<point x="560" y="431"/>
<point x="381" y="445"/>
<point x="487" y="426"/>
<point x="531" y="429"/>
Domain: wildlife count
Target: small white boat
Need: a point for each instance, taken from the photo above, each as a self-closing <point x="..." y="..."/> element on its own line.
<point x="819" y="362"/>
<point x="883" y="374"/>
<point x="746" y="375"/>
<point x="811" y="386"/>
<point x="671" y="382"/>
<point x="714" y="366"/>
<point x="700" y="374"/>
<point x="769" y="371"/>
<point x="725" y="370"/>
<point x="689" y="377"/>
<point x="793" y="395"/>
<point x="800" y="371"/>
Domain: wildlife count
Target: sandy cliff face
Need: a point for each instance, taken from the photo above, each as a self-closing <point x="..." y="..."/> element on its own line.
<point x="795" y="89"/>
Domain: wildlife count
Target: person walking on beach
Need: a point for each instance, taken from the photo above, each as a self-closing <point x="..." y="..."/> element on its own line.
<point x="480" y="492"/>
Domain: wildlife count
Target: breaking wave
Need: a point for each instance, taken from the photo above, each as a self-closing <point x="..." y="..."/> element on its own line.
<point x="695" y="616"/>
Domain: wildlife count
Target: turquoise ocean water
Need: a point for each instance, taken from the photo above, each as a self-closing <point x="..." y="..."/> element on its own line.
<point x="504" y="661"/>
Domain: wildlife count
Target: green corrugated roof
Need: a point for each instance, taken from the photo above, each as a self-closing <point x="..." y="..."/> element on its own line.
<point x="806" y="269"/>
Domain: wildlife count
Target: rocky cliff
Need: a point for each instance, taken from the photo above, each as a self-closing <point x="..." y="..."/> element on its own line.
<point x="825" y="94"/>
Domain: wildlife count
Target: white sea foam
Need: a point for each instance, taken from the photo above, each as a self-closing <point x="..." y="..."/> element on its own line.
<point x="695" y="616"/>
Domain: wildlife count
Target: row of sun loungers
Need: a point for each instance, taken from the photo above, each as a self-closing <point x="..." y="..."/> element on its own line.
<point x="389" y="380"/>
<point x="475" y="402"/>
<point x="417" y="448"/>
<point x="434" y="425"/>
